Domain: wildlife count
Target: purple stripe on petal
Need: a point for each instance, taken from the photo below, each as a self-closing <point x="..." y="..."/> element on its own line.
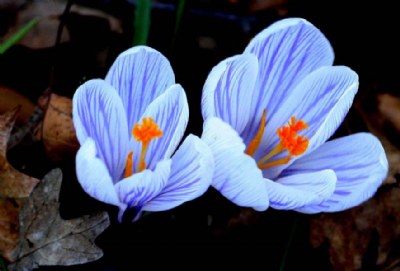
<point x="140" y="75"/>
<point x="170" y="111"/>
<point x="98" y="113"/>
<point x="360" y="164"/>
<point x="287" y="51"/>
<point x="300" y="190"/>
<point x="228" y="90"/>
<point x="191" y="173"/>
<point x="236" y="174"/>
<point x="322" y="100"/>
<point x="94" y="176"/>
<point x="140" y="188"/>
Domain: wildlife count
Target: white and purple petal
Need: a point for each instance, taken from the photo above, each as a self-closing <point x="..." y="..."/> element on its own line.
<point x="287" y="52"/>
<point x="236" y="174"/>
<point x="191" y="173"/>
<point x="228" y="90"/>
<point x="360" y="165"/>
<point x="142" y="187"/>
<point x="140" y="75"/>
<point x="171" y="112"/>
<point x="322" y="100"/>
<point x="98" y="113"/>
<point x="93" y="175"/>
<point x="299" y="190"/>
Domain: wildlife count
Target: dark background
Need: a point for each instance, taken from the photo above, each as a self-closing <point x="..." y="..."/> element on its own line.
<point x="209" y="232"/>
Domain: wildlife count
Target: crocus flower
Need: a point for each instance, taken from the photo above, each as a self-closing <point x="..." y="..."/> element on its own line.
<point x="268" y="114"/>
<point x="128" y="126"/>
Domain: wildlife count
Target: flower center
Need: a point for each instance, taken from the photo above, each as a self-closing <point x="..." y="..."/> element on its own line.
<point x="290" y="141"/>
<point x="144" y="133"/>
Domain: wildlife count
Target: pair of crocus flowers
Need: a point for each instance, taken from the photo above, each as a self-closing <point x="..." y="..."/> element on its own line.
<point x="268" y="114"/>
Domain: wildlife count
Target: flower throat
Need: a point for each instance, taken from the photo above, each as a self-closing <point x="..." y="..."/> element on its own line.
<point x="290" y="141"/>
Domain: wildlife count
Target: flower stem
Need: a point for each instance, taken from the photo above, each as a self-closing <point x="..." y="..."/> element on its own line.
<point x="289" y="243"/>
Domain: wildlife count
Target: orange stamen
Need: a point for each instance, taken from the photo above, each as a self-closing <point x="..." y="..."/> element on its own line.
<point x="278" y="149"/>
<point x="142" y="162"/>
<point x="300" y="147"/>
<point x="253" y="145"/>
<point x="145" y="133"/>
<point x="129" y="165"/>
<point x="297" y="125"/>
<point x="277" y="162"/>
<point x="289" y="141"/>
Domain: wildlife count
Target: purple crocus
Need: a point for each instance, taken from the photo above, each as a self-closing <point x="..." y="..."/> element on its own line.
<point x="129" y="125"/>
<point x="268" y="114"/>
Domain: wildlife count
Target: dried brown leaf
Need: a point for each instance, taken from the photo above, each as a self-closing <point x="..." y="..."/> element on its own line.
<point x="14" y="186"/>
<point x="58" y="133"/>
<point x="50" y="240"/>
<point x="9" y="99"/>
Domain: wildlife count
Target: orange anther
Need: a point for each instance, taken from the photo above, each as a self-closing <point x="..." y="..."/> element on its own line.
<point x="297" y="125"/>
<point x="144" y="133"/>
<point x="147" y="131"/>
<point x="290" y="139"/>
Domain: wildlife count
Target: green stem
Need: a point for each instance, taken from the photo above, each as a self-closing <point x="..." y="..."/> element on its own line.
<point x="178" y="18"/>
<point x="18" y="35"/>
<point x="142" y="22"/>
<point x="289" y="243"/>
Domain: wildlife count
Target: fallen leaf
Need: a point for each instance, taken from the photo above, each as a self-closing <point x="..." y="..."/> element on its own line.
<point x="58" y="132"/>
<point x="50" y="240"/>
<point x="10" y="99"/>
<point x="14" y="186"/>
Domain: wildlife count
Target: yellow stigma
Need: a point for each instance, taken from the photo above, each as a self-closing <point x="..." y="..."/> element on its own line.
<point x="144" y="133"/>
<point x="290" y="141"/>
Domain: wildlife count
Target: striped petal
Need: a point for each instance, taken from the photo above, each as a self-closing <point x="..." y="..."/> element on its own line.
<point x="140" y="75"/>
<point x="287" y="52"/>
<point x="191" y="173"/>
<point x="171" y="112"/>
<point x="140" y="188"/>
<point x="236" y="174"/>
<point x="299" y="190"/>
<point x="228" y="90"/>
<point x="98" y="113"/>
<point x="93" y="175"/>
<point x="322" y="100"/>
<point x="360" y="165"/>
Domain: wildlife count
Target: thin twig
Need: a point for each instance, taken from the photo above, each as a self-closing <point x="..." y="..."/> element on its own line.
<point x="63" y="20"/>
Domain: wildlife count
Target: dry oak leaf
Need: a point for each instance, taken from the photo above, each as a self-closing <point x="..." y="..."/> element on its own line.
<point x="58" y="132"/>
<point x="14" y="186"/>
<point x="50" y="240"/>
